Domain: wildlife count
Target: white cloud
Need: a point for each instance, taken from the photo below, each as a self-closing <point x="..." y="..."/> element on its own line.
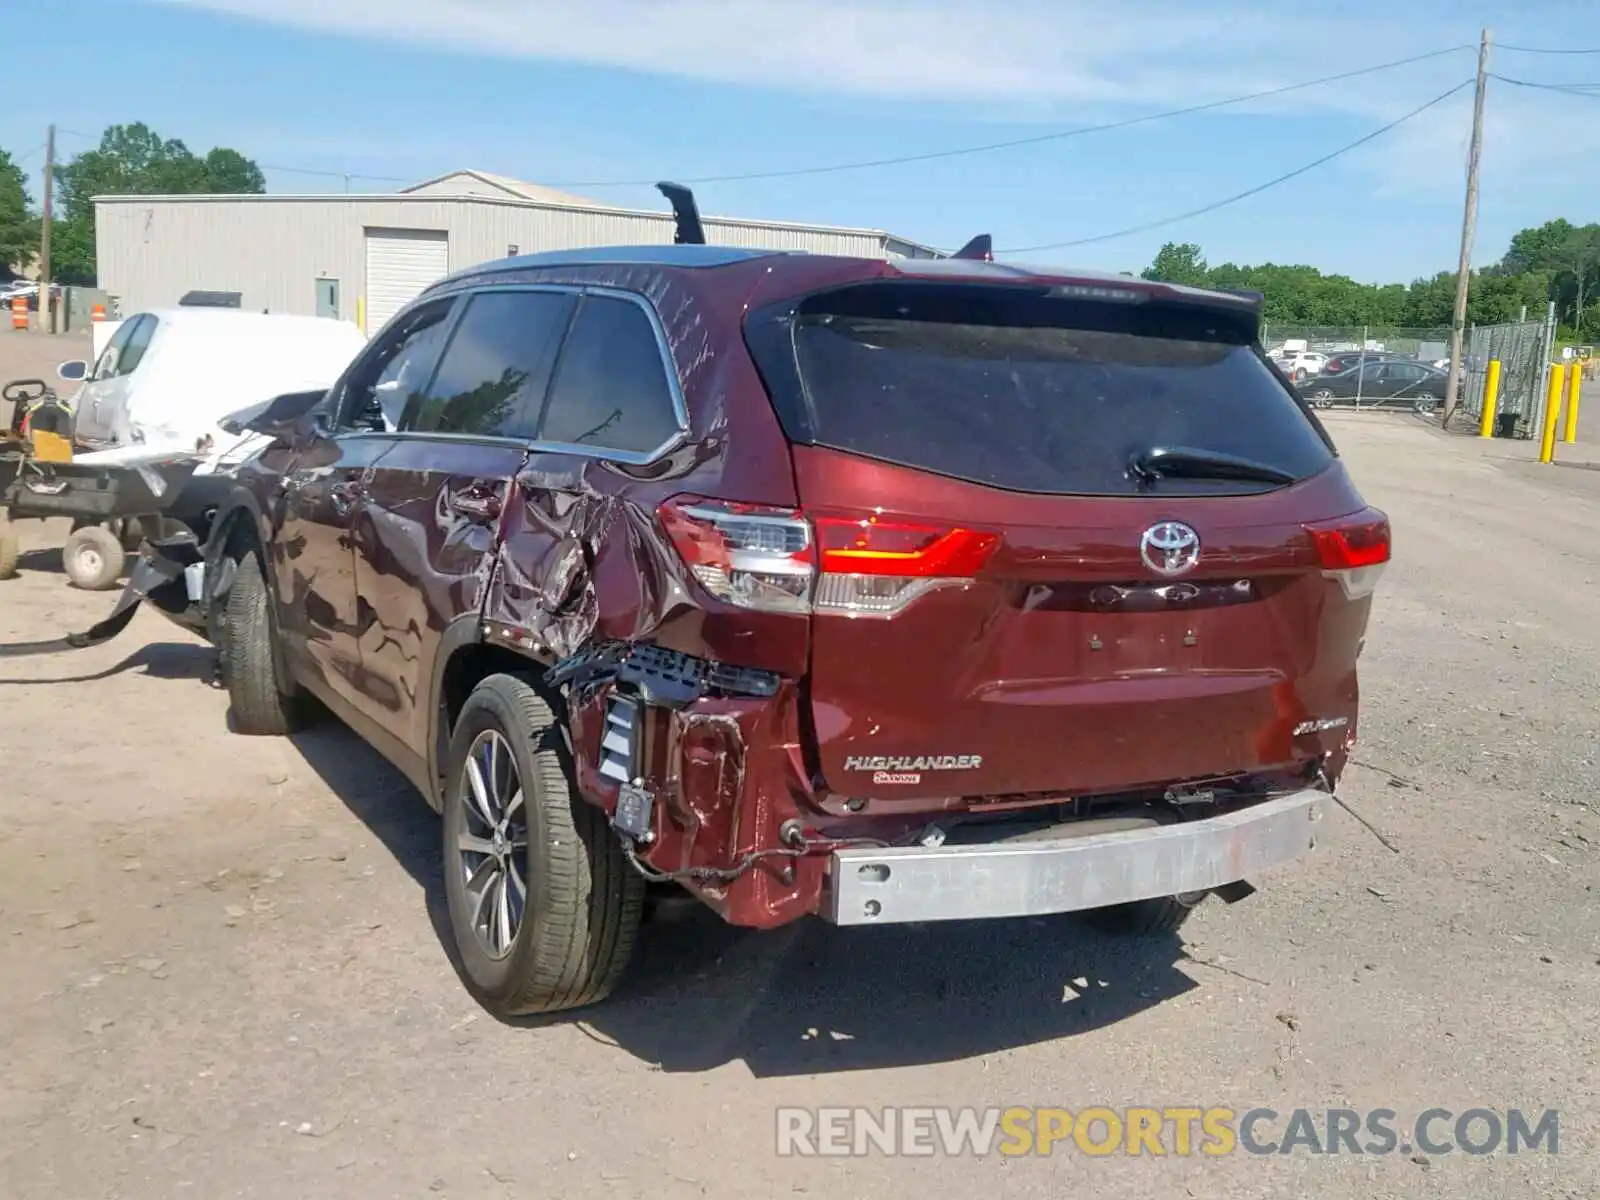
<point x="1023" y="51"/>
<point x="1060" y="62"/>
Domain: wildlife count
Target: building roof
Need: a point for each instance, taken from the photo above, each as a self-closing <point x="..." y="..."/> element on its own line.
<point x="498" y="190"/>
<point x="516" y="188"/>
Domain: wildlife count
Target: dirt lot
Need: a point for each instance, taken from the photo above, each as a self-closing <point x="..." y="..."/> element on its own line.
<point x="223" y="973"/>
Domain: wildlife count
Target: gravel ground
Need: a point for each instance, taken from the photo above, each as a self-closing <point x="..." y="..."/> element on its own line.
<point x="224" y="973"/>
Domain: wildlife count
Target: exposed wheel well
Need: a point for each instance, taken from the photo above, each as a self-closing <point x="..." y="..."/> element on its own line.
<point x="462" y="672"/>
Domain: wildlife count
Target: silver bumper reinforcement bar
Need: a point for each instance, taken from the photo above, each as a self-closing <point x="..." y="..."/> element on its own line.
<point x="1062" y="872"/>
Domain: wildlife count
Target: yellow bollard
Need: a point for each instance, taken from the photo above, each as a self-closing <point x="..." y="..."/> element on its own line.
<point x="1552" y="413"/>
<point x="1574" y="393"/>
<point x="1491" y="397"/>
<point x="361" y="313"/>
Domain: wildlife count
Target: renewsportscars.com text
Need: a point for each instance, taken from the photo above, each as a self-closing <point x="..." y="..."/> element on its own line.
<point x="1170" y="1130"/>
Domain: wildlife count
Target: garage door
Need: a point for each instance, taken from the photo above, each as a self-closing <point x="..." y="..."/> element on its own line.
<point x="400" y="263"/>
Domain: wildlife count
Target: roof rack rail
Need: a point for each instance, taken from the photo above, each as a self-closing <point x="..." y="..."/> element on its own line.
<point x="689" y="231"/>
<point x="980" y="248"/>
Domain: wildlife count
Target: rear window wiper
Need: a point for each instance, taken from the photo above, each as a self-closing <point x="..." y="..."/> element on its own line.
<point x="1179" y="462"/>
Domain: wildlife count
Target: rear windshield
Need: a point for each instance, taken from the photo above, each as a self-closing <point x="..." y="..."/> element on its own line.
<point x="1028" y="392"/>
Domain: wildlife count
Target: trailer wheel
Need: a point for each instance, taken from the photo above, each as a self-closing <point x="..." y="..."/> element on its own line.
<point x="10" y="550"/>
<point x="1144" y="918"/>
<point x="262" y="704"/>
<point x="543" y="905"/>
<point x="93" y="558"/>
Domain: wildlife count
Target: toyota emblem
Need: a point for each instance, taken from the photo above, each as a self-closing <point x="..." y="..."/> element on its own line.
<point x="1170" y="548"/>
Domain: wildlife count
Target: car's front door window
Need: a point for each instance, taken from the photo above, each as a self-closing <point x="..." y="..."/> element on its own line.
<point x="106" y="365"/>
<point x="138" y="343"/>
<point x="395" y="373"/>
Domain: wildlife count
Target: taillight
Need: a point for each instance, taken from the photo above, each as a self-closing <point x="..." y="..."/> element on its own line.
<point x="872" y="546"/>
<point x="744" y="554"/>
<point x="782" y="560"/>
<point x="1354" y="551"/>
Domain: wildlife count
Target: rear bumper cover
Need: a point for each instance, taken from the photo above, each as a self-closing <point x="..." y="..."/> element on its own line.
<point x="1069" y="873"/>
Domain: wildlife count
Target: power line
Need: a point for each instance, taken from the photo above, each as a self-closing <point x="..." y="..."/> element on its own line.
<point x="900" y="160"/>
<point x="1035" y="140"/>
<point x="1257" y="190"/>
<point x="1568" y="89"/>
<point x="333" y="174"/>
<point x="346" y="175"/>
<point x="1545" y="50"/>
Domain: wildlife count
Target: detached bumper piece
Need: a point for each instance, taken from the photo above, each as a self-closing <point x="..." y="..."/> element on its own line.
<point x="166" y="576"/>
<point x="1061" y="872"/>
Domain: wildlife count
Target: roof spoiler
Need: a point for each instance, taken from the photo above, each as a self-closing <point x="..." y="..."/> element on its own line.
<point x="689" y="231"/>
<point x="980" y="248"/>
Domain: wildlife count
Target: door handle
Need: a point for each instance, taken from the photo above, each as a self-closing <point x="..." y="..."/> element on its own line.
<point x="475" y="505"/>
<point x="343" y="497"/>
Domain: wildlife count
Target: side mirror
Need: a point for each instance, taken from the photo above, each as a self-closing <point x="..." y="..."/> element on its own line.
<point x="73" y="371"/>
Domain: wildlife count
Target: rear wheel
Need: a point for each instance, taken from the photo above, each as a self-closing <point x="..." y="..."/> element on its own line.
<point x="1144" y="918"/>
<point x="263" y="705"/>
<point x="93" y="558"/>
<point x="1322" y="398"/>
<point x="543" y="905"/>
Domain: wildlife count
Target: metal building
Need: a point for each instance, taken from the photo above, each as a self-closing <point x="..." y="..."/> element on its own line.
<point x="362" y="258"/>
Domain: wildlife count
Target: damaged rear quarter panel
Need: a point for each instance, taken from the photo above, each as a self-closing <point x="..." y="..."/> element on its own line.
<point x="583" y="555"/>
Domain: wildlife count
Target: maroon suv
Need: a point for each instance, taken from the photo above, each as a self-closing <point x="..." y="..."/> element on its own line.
<point x="876" y="591"/>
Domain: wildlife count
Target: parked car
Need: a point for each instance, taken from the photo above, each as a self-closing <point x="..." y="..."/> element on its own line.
<point x="167" y="377"/>
<point x="29" y="290"/>
<point x="1346" y="359"/>
<point x="1384" y="383"/>
<point x="877" y="591"/>
<point x="1306" y="362"/>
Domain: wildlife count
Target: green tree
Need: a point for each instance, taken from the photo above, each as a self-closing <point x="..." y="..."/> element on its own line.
<point x="1568" y="256"/>
<point x="19" y="228"/>
<point x="1178" y="263"/>
<point x="1555" y="261"/>
<point x="135" y="160"/>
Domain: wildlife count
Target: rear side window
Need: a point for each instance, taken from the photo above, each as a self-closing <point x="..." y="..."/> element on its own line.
<point x="611" y="389"/>
<point x="496" y="369"/>
<point x="1019" y="390"/>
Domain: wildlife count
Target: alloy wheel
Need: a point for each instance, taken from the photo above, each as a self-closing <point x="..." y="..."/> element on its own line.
<point x="492" y="845"/>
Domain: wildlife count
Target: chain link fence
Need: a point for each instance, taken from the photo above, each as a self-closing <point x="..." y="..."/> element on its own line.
<point x="1523" y="349"/>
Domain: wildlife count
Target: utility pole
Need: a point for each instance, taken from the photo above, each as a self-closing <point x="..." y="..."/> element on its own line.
<point x="1469" y="222"/>
<point x="46" y="317"/>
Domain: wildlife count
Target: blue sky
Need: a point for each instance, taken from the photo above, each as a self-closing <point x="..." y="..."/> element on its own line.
<point x="579" y="93"/>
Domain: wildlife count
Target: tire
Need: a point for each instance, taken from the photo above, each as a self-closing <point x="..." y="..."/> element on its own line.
<point x="1322" y="398"/>
<point x="93" y="558"/>
<point x="10" y="548"/>
<point x="1146" y="918"/>
<point x="581" y="900"/>
<point x="262" y="705"/>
